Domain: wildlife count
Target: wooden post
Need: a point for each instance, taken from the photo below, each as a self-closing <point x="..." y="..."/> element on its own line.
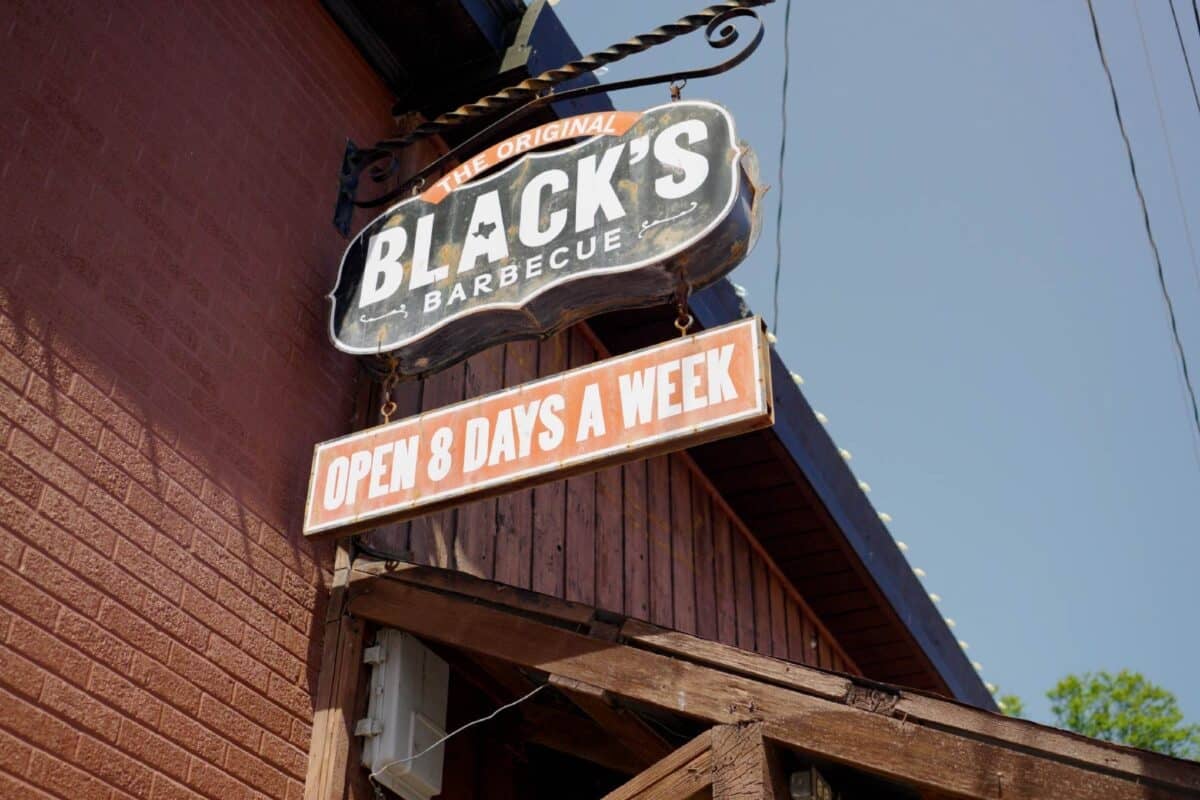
<point x="744" y="766"/>
<point x="333" y="743"/>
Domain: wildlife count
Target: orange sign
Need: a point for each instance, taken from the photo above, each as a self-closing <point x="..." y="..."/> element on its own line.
<point x="689" y="390"/>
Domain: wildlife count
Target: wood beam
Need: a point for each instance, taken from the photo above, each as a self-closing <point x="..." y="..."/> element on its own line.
<point x="622" y="725"/>
<point x="331" y="749"/>
<point x="907" y="750"/>
<point x="683" y="774"/>
<point x="745" y="766"/>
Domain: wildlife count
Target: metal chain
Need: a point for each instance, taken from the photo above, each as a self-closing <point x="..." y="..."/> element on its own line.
<point x="683" y="318"/>
<point x="389" y="382"/>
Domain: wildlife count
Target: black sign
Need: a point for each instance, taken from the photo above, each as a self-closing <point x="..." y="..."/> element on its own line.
<point x="616" y="221"/>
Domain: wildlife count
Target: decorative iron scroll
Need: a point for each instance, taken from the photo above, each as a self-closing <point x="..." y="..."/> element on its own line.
<point x="534" y="93"/>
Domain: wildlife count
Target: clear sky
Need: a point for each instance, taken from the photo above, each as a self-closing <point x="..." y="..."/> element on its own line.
<point x="970" y="297"/>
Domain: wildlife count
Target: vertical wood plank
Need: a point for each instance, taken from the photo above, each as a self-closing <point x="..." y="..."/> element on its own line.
<point x="658" y="487"/>
<point x="637" y="569"/>
<point x="610" y="533"/>
<point x="795" y="634"/>
<point x="726" y="597"/>
<point x="432" y="536"/>
<point x="824" y="654"/>
<point x="550" y="500"/>
<point x="514" y="511"/>
<point x="743" y="577"/>
<point x="778" y="619"/>
<point x="683" y="568"/>
<point x="581" y="505"/>
<point x="705" y="569"/>
<point x="810" y="641"/>
<point x="762" y="607"/>
<point x="394" y="538"/>
<point x="475" y="531"/>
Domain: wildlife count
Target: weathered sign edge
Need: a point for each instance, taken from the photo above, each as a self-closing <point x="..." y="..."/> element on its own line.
<point x="762" y="415"/>
<point x="735" y="176"/>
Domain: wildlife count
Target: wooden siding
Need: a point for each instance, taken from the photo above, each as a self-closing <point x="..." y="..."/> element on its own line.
<point x="651" y="540"/>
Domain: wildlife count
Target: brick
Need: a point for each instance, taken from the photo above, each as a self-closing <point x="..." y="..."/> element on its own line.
<point x="114" y="767"/>
<point x="14" y="754"/>
<point x="237" y="662"/>
<point x="134" y="464"/>
<point x="166" y="789"/>
<point x="11" y="549"/>
<point x="95" y="641"/>
<point x="69" y="515"/>
<point x="21" y="675"/>
<point x="169" y="461"/>
<point x="231" y="724"/>
<point x="28" y="600"/>
<point x="149" y="571"/>
<point x="63" y="779"/>
<point x="138" y="632"/>
<point x="59" y="581"/>
<point x="19" y="482"/>
<point x="245" y="608"/>
<point x="221" y="560"/>
<point x="280" y="604"/>
<point x="163" y="518"/>
<point x="69" y="414"/>
<point x="104" y="409"/>
<point x="100" y="571"/>
<point x="53" y="469"/>
<point x="168" y="552"/>
<point x="73" y="704"/>
<point x="50" y="652"/>
<point x="262" y="711"/>
<point x="34" y="726"/>
<point x="153" y="750"/>
<point x="12" y="370"/>
<point x="118" y="691"/>
<point x="296" y="642"/>
<point x="114" y="514"/>
<point x="178" y="625"/>
<point x="192" y="735"/>
<point x="200" y="671"/>
<point x="227" y="624"/>
<point x="164" y="683"/>
<point x="214" y="782"/>
<point x="291" y="697"/>
<point x="256" y="772"/>
<point x="304" y="591"/>
<point x="301" y="735"/>
<point x="288" y="758"/>
<point x="265" y="651"/>
<point x="101" y="471"/>
<point x="26" y="416"/>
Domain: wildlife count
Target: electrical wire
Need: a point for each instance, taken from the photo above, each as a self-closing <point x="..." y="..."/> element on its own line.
<point x="1162" y="125"/>
<point x="1183" y="49"/>
<point x="787" y="59"/>
<point x="1137" y="185"/>
<point x="455" y="732"/>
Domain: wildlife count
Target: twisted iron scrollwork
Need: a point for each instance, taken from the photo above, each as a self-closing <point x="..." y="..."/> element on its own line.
<point x="381" y="165"/>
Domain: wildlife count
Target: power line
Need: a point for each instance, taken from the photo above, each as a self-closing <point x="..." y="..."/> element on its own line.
<point x="1137" y="185"/>
<point x="1162" y="125"/>
<point x="1186" y="63"/>
<point x="787" y="59"/>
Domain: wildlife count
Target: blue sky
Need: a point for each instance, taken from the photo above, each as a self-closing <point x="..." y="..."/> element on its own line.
<point x="969" y="295"/>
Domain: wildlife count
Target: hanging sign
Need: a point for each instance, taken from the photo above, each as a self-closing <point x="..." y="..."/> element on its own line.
<point x="668" y="397"/>
<point x="616" y="221"/>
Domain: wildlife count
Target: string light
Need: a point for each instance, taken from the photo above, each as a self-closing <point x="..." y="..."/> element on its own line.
<point x="963" y="645"/>
<point x="866" y="487"/>
<point x="884" y="517"/>
<point x="796" y="379"/>
<point x="845" y="454"/>
<point x="903" y="547"/>
<point x="937" y="598"/>
<point x="920" y="573"/>
<point x="824" y="420"/>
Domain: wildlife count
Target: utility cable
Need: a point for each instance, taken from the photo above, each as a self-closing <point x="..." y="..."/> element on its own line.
<point x="1137" y="185"/>
<point x="1183" y="49"/>
<point x="1162" y="124"/>
<point x="456" y="731"/>
<point x="787" y="59"/>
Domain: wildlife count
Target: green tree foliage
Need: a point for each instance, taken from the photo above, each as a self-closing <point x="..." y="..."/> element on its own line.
<point x="1124" y="708"/>
<point x="1011" y="705"/>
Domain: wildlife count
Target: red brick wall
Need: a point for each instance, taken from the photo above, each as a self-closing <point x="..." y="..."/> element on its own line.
<point x="168" y="173"/>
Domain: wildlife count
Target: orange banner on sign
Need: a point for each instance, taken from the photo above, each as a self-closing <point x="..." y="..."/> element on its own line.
<point x="689" y="390"/>
<point x="604" y="123"/>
